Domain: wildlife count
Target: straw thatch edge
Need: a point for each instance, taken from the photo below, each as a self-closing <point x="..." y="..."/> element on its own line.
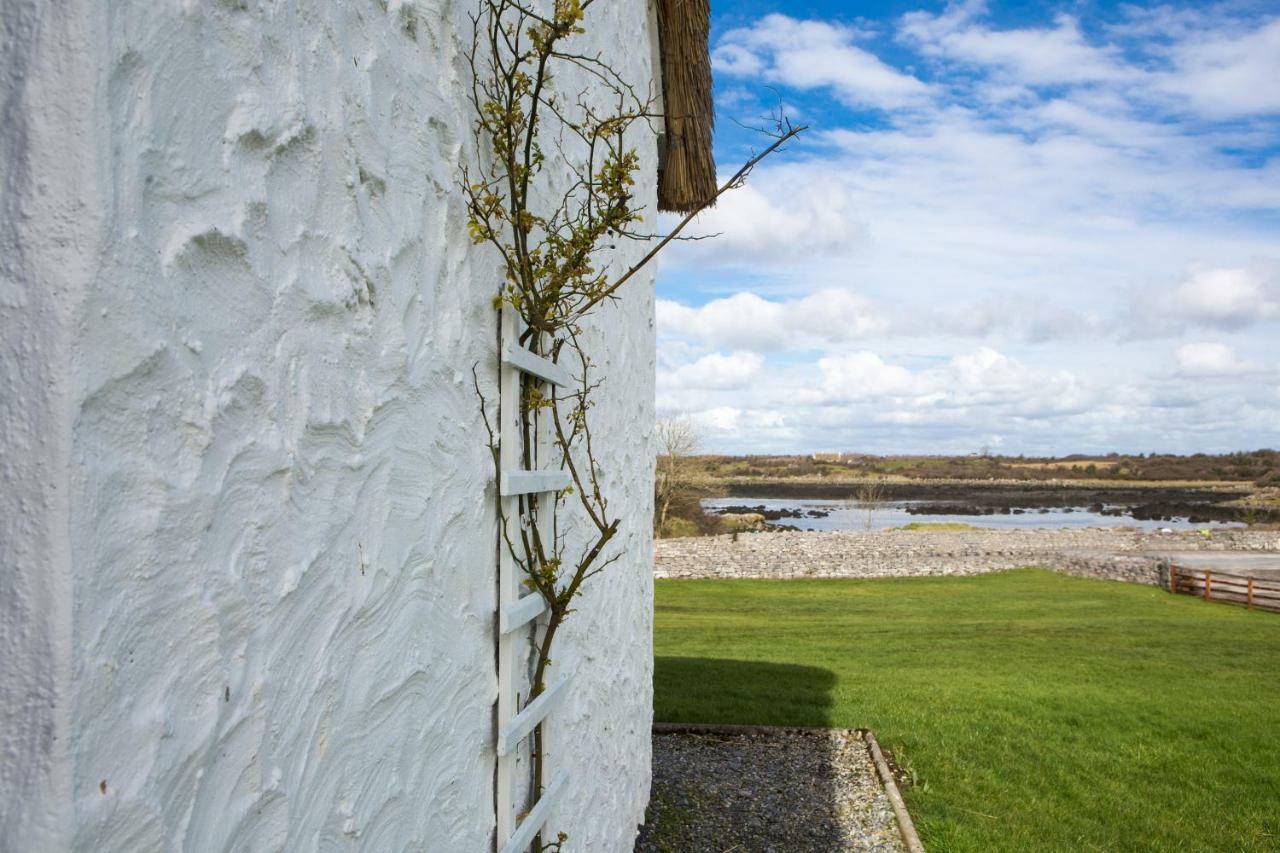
<point x="686" y="169"/>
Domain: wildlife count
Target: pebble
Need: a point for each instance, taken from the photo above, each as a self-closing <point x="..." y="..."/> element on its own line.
<point x="1095" y="552"/>
<point x="788" y="790"/>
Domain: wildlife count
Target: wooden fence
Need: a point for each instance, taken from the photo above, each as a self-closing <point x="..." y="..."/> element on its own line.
<point x="1260" y="593"/>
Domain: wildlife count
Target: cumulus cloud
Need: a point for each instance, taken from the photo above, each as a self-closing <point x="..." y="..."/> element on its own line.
<point x="776" y="223"/>
<point x="865" y="400"/>
<point x="750" y="322"/>
<point x="981" y="378"/>
<point x="979" y="392"/>
<point x="714" y="371"/>
<point x="1211" y="359"/>
<point x="833" y="317"/>
<point x="987" y="370"/>
<point x="1221" y="297"/>
<point x="1227" y="297"/>
<point x="813" y="54"/>
<point x="863" y="375"/>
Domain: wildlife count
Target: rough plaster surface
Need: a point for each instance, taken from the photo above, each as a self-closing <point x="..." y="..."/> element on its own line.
<point x="248" y="592"/>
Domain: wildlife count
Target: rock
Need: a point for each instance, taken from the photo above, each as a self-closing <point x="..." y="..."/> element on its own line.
<point x="741" y="521"/>
<point x="1094" y="552"/>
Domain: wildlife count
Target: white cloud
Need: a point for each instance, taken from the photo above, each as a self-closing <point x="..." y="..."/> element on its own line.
<point x="992" y="161"/>
<point x="861" y="376"/>
<point x="982" y="392"/>
<point x="1228" y="74"/>
<point x="833" y="317"/>
<point x="714" y="371"/>
<point x="764" y="222"/>
<point x="742" y="320"/>
<point x="737" y="60"/>
<point x="1006" y="314"/>
<point x="987" y="369"/>
<point x="968" y="165"/>
<point x="750" y="322"/>
<point x="1207" y="61"/>
<point x="1101" y="118"/>
<point x="961" y="186"/>
<point x="814" y="54"/>
<point x="863" y="400"/>
<point x="1211" y="359"/>
<point x="721" y="419"/>
<point x="1037" y="56"/>
<point x="981" y="378"/>
<point x="1223" y="298"/>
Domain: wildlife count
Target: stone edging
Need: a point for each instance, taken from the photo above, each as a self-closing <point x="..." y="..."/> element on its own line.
<point x="906" y="828"/>
<point x="905" y="825"/>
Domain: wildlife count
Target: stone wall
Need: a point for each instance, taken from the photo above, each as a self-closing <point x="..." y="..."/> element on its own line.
<point x="1134" y="556"/>
<point x="1153" y="571"/>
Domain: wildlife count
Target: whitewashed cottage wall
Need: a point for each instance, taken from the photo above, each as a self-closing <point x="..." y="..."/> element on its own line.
<point x="247" y="523"/>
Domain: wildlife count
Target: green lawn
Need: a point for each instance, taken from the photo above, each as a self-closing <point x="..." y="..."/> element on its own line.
<point x="1034" y="711"/>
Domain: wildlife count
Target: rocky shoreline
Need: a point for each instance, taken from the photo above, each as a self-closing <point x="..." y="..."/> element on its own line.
<point x="1119" y="554"/>
<point x="1147" y="501"/>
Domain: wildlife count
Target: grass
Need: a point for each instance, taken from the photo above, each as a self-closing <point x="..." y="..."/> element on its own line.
<point x="1033" y="711"/>
<point x="926" y="526"/>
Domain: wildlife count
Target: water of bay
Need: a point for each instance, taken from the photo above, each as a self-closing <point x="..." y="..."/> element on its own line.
<point x="819" y="514"/>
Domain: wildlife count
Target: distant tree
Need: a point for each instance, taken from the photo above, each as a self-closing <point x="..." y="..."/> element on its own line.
<point x="678" y="438"/>
<point x="870" y="495"/>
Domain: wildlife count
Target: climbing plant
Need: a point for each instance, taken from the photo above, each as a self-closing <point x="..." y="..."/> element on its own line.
<point x="553" y="194"/>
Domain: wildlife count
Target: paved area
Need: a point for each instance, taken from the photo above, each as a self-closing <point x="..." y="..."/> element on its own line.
<point x="1258" y="565"/>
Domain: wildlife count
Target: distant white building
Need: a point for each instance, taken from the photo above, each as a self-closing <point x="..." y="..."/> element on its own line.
<point x="247" y="527"/>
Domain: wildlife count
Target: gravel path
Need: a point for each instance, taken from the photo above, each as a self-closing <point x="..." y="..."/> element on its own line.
<point x="789" y="791"/>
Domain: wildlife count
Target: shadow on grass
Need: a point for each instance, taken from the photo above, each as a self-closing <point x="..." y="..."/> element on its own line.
<point x="714" y="690"/>
<point x="751" y="789"/>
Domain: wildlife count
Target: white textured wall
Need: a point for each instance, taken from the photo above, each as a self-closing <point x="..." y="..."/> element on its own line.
<point x="248" y="588"/>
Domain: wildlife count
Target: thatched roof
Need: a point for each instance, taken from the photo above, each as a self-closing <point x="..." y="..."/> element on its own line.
<point x="687" y="172"/>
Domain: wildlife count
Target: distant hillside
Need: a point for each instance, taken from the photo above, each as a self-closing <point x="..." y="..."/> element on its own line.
<point x="1260" y="467"/>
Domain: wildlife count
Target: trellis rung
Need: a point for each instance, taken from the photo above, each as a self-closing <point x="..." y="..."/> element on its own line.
<point x="543" y="368"/>
<point x="537" y="817"/>
<point x="528" y="482"/>
<point x="535" y="712"/>
<point x="526" y="609"/>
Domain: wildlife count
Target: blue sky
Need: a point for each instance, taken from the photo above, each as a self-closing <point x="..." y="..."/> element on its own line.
<point x="1043" y="228"/>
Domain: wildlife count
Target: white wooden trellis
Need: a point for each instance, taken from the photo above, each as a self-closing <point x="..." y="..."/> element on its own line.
<point x="518" y="614"/>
